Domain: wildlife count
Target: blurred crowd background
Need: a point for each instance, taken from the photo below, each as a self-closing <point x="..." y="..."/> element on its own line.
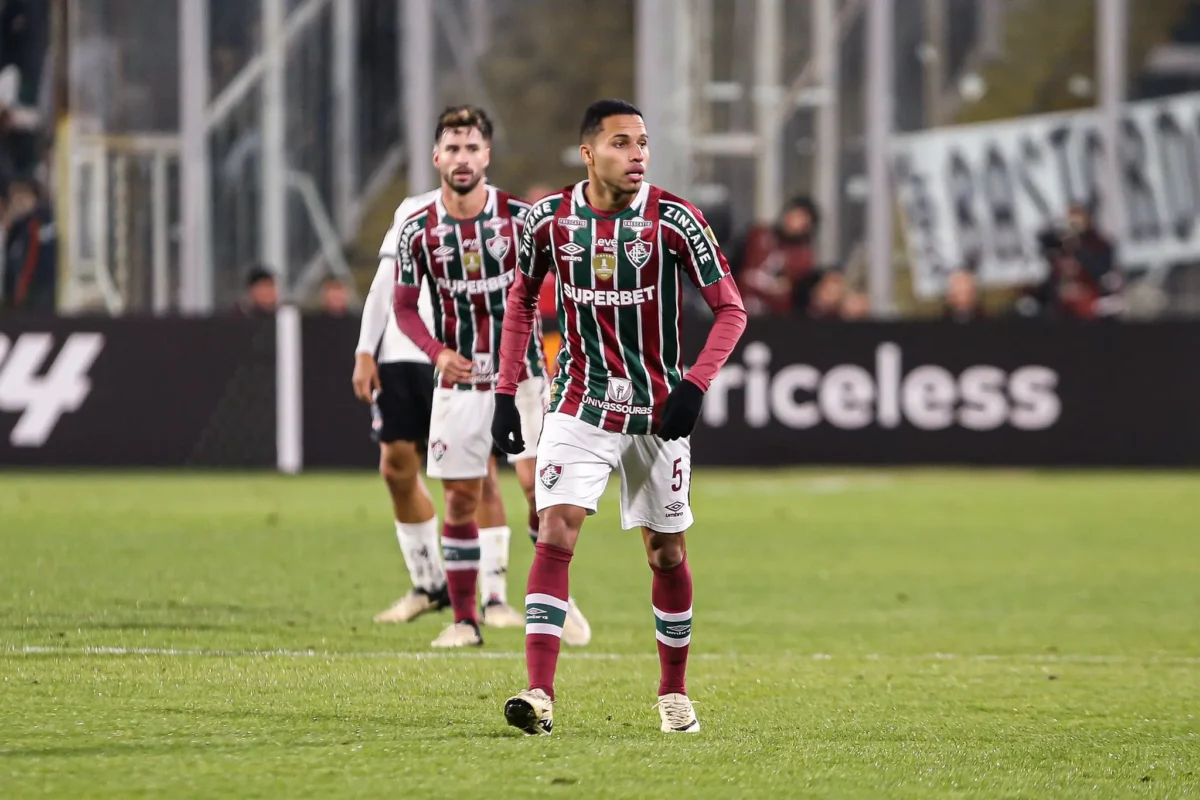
<point x="224" y="156"/>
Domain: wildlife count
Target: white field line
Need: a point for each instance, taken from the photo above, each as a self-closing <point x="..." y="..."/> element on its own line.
<point x="1033" y="658"/>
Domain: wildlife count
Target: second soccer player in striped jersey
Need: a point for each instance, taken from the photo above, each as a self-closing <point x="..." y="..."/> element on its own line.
<point x="620" y="400"/>
<point x="464" y="243"/>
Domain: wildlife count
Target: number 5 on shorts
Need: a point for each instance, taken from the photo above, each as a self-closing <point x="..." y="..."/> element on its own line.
<point x="677" y="476"/>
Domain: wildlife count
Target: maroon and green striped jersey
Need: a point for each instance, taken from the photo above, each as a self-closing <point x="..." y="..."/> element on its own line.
<point x="470" y="265"/>
<point x="620" y="299"/>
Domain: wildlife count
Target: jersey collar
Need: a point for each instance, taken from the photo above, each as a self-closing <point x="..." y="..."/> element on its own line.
<point x="579" y="202"/>
<point x="489" y="207"/>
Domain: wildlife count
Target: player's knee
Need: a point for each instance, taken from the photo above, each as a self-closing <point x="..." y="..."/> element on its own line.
<point x="399" y="469"/>
<point x="491" y="489"/>
<point x="665" y="550"/>
<point x="559" y="527"/>
<point x="462" y="501"/>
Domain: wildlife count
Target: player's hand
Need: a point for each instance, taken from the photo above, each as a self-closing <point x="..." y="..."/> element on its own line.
<point x="453" y="367"/>
<point x="366" y="377"/>
<point x="506" y="425"/>
<point x="681" y="412"/>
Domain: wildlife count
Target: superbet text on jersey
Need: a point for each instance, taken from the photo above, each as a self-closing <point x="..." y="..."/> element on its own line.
<point x="620" y="296"/>
<point x="471" y="264"/>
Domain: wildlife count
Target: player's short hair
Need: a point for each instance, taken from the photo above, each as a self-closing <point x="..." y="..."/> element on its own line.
<point x="597" y="112"/>
<point x="463" y="117"/>
<point x="806" y="203"/>
<point x="258" y="273"/>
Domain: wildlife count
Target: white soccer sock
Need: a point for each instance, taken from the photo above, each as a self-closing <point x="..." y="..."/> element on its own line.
<point x="421" y="544"/>
<point x="493" y="563"/>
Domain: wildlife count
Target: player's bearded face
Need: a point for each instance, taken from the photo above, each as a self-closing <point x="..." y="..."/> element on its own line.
<point x="461" y="157"/>
<point x="620" y="153"/>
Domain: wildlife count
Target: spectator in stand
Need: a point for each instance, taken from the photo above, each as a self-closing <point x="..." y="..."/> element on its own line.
<point x="1083" y="281"/>
<point x="856" y="306"/>
<point x="776" y="260"/>
<point x="335" y="298"/>
<point x="820" y="294"/>
<point x="31" y="250"/>
<point x="24" y="38"/>
<point x="262" y="294"/>
<point x="962" y="297"/>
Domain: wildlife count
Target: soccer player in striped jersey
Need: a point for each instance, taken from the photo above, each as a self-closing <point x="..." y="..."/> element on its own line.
<point x="464" y="244"/>
<point x="620" y="400"/>
<point x="396" y="378"/>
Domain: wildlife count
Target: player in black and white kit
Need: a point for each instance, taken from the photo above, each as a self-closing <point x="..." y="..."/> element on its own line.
<point x="401" y="387"/>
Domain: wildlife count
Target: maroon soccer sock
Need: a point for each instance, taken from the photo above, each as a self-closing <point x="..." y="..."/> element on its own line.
<point x="460" y="549"/>
<point x="545" y="612"/>
<point x="534" y="526"/>
<point x="672" y="598"/>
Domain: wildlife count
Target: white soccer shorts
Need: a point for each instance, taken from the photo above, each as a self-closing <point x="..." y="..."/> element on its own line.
<point x="460" y="434"/>
<point x="533" y="396"/>
<point x="574" y="460"/>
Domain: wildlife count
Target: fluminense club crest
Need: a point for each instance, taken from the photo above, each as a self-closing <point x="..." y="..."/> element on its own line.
<point x="438" y="448"/>
<point x="498" y="247"/>
<point x="549" y="475"/>
<point x="638" y="252"/>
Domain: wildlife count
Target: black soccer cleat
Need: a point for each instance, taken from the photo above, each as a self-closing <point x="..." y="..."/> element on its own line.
<point x="531" y="711"/>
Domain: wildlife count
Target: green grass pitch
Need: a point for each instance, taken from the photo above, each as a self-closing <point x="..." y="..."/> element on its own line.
<point x="903" y="634"/>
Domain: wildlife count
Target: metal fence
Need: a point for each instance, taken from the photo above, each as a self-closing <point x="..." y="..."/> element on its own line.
<point x="198" y="149"/>
<point x="148" y="78"/>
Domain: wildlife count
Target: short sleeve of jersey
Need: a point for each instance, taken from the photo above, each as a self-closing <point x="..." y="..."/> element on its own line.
<point x="519" y="210"/>
<point x="700" y="255"/>
<point x="408" y="207"/>
<point x="409" y="246"/>
<point x="534" y="259"/>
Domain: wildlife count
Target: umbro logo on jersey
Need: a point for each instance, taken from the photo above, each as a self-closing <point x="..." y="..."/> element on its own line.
<point x="572" y="223"/>
<point x="571" y="252"/>
<point x="638" y="224"/>
<point x="674" y="507"/>
<point x="443" y="253"/>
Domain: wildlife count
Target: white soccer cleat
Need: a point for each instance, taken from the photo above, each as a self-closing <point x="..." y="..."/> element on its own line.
<point x="460" y="634"/>
<point x="532" y="711"/>
<point x="677" y="714"/>
<point x="498" y="614"/>
<point x="413" y="605"/>
<point x="576" y="630"/>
